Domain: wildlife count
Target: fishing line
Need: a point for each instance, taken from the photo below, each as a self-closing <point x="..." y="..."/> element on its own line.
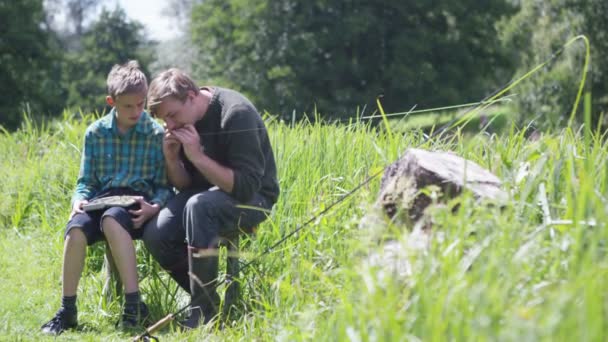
<point x="466" y="118"/>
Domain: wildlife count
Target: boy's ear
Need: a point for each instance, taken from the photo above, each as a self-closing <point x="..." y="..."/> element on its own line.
<point x="110" y="101"/>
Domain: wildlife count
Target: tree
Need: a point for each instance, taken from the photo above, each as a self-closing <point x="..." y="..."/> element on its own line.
<point x="77" y="11"/>
<point x="594" y="26"/>
<point x="112" y="39"/>
<point x="542" y="27"/>
<point x="27" y="62"/>
<point x="178" y="52"/>
<point x="340" y="55"/>
<point x="69" y="20"/>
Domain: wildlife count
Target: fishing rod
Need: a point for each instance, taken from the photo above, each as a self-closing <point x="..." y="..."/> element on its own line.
<point x="438" y="109"/>
<point x="147" y="334"/>
<point x="464" y="119"/>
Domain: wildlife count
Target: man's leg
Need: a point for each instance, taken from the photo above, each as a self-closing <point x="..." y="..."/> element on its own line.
<point x="164" y="237"/>
<point x="207" y="217"/>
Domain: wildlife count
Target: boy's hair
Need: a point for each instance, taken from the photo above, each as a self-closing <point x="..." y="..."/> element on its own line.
<point x="126" y="79"/>
<point x="172" y="82"/>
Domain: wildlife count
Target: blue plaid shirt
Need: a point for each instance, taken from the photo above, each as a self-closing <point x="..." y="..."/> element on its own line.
<point x="133" y="160"/>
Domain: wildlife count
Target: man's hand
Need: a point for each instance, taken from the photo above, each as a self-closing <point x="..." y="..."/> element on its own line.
<point x="145" y="212"/>
<point x="171" y="146"/>
<point x="189" y="138"/>
<point x="77" y="207"/>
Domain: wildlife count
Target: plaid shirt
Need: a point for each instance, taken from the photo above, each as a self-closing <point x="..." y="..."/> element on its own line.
<point x="134" y="160"/>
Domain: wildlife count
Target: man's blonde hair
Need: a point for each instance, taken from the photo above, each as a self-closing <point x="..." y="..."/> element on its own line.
<point x="126" y="79"/>
<point x="172" y="82"/>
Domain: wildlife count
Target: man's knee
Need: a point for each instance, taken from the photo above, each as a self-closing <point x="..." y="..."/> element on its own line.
<point x="166" y="244"/>
<point x="207" y="202"/>
<point x="154" y="239"/>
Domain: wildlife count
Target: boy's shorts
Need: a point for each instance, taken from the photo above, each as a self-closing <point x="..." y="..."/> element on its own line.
<point x="90" y="222"/>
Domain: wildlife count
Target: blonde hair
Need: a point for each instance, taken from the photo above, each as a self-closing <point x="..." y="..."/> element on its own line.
<point x="126" y="79"/>
<point x="172" y="82"/>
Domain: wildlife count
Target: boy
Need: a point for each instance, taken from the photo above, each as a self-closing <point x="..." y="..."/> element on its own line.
<point x="122" y="156"/>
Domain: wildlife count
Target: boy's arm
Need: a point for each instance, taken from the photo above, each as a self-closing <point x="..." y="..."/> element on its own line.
<point x="86" y="185"/>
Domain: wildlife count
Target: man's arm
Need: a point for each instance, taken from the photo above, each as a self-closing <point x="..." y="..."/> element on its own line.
<point x="178" y="176"/>
<point x="213" y="171"/>
<point x="162" y="189"/>
<point x="176" y="172"/>
<point x="244" y="154"/>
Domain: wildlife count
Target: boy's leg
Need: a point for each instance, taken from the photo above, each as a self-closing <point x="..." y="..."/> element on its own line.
<point x="74" y="254"/>
<point x="117" y="226"/>
<point x="123" y="253"/>
<point x="81" y="230"/>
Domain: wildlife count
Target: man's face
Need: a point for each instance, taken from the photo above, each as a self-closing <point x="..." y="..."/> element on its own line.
<point x="128" y="108"/>
<point x="176" y="113"/>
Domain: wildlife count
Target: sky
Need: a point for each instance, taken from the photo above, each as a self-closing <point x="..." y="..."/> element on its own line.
<point x="149" y="13"/>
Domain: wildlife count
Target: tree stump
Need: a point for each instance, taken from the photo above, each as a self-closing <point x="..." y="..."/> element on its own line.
<point x="418" y="179"/>
<point x="404" y="183"/>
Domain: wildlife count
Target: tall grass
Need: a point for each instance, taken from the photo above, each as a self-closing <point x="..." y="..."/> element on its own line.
<point x="491" y="273"/>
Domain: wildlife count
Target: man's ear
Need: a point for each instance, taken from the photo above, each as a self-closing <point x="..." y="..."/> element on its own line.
<point x="110" y="101"/>
<point x="192" y="94"/>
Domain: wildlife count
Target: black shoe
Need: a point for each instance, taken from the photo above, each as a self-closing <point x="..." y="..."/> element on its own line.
<point x="197" y="317"/>
<point x="63" y="320"/>
<point x="193" y="320"/>
<point x="135" y="315"/>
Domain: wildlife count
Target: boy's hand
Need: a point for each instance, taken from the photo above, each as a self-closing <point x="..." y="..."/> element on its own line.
<point x="145" y="212"/>
<point x="171" y="146"/>
<point x="189" y="138"/>
<point x="77" y="208"/>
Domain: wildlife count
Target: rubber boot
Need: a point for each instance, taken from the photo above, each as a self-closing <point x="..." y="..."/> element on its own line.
<point x="204" y="300"/>
<point x="179" y="273"/>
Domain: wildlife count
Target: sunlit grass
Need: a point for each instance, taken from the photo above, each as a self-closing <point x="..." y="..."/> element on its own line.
<point x="528" y="280"/>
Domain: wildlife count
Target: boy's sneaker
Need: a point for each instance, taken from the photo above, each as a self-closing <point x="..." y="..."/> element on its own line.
<point x="135" y="315"/>
<point x="63" y="320"/>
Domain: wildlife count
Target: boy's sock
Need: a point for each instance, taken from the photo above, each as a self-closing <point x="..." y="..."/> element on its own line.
<point x="69" y="303"/>
<point x="132" y="298"/>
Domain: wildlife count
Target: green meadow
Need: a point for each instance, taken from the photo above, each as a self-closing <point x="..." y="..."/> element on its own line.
<point x="535" y="269"/>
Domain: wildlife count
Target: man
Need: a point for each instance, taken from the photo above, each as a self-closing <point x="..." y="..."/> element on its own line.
<point x="218" y="156"/>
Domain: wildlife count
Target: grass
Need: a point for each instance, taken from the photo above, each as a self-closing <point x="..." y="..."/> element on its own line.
<point x="527" y="280"/>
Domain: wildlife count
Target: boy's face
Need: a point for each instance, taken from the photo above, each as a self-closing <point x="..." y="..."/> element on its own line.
<point x="176" y="113"/>
<point x="128" y="108"/>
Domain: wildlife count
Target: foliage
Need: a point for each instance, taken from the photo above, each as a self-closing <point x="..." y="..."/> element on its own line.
<point x="539" y="29"/>
<point x="112" y="39"/>
<point x="28" y="62"/>
<point x="337" y="56"/>
<point x="530" y="278"/>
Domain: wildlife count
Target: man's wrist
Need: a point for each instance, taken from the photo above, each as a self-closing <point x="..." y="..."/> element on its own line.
<point x="172" y="159"/>
<point x="198" y="156"/>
